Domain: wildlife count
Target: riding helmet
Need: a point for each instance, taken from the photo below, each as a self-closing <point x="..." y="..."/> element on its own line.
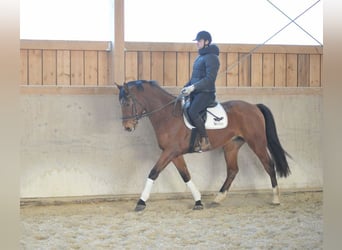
<point x="203" y="35"/>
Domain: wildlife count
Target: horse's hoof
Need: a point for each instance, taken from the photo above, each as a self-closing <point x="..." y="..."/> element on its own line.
<point x="139" y="208"/>
<point x="198" y="205"/>
<point x="220" y="197"/>
<point x="141" y="205"/>
<point x="276" y="201"/>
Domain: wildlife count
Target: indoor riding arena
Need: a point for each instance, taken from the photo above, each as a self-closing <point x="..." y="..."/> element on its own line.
<point x="82" y="173"/>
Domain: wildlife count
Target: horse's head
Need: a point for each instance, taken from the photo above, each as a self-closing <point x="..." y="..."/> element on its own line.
<point x="132" y="110"/>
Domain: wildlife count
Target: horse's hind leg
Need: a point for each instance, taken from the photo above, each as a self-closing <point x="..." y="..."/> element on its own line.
<point x="268" y="164"/>
<point x="231" y="156"/>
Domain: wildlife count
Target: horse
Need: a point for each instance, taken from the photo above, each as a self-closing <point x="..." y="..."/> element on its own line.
<point x="253" y="124"/>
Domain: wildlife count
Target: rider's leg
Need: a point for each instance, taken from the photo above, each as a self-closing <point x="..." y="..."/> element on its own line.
<point x="199" y="102"/>
<point x="204" y="140"/>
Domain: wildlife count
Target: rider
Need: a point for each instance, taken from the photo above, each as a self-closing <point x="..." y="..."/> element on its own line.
<point x="201" y="86"/>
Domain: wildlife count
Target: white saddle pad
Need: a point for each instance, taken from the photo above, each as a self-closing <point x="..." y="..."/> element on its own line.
<point x="216" y="118"/>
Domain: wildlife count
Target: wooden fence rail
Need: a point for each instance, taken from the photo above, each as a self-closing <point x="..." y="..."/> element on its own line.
<point x="82" y="63"/>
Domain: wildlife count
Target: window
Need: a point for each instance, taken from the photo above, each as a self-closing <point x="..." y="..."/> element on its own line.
<point x="229" y="21"/>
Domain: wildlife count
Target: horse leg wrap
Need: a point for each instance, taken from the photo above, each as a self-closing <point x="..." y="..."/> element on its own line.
<point x="276" y="195"/>
<point x="147" y="190"/>
<point x="195" y="193"/>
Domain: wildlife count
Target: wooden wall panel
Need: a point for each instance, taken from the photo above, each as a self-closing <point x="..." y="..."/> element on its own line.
<point x="90" y="68"/>
<point x="35" y="61"/>
<point x="103" y="73"/>
<point x="221" y="79"/>
<point x="233" y="70"/>
<point x="256" y="70"/>
<point x="193" y="56"/>
<point x="291" y="70"/>
<point x="268" y="70"/>
<point x="183" y="68"/>
<point x="244" y="70"/>
<point x="170" y="69"/>
<point x="157" y="65"/>
<point x="144" y="65"/>
<point x="315" y="70"/>
<point x="49" y="67"/>
<point x="303" y="70"/>
<point x="280" y="70"/>
<point x="66" y="63"/>
<point x="131" y="66"/>
<point x="63" y="67"/>
<point x="24" y="67"/>
<point x="77" y="67"/>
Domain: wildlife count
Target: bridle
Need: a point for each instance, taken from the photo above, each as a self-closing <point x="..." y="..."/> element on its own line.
<point x="137" y="116"/>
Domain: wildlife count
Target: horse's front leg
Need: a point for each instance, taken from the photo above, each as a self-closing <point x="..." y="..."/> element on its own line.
<point x="162" y="162"/>
<point x="184" y="172"/>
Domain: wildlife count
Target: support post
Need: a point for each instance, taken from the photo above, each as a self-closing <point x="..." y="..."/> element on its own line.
<point x="117" y="65"/>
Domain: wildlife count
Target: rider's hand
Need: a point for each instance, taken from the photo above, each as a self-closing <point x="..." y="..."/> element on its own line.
<point x="187" y="90"/>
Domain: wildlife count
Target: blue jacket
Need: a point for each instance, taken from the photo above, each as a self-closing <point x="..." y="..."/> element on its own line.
<point x="205" y="69"/>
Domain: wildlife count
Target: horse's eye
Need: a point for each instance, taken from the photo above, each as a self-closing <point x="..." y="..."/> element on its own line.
<point x="124" y="102"/>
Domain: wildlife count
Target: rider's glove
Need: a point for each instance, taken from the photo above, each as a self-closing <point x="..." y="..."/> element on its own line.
<point x="187" y="90"/>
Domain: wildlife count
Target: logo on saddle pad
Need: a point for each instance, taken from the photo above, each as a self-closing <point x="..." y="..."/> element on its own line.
<point x="215" y="117"/>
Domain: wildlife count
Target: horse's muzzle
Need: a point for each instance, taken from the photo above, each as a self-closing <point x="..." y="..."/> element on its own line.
<point x="129" y="129"/>
<point x="129" y="126"/>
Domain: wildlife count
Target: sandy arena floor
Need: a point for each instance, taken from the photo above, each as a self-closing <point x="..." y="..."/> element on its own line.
<point x="242" y="221"/>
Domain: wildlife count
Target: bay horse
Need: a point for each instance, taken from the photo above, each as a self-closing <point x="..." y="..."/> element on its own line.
<point x="248" y="123"/>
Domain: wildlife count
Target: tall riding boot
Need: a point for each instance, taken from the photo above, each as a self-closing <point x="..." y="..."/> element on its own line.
<point x="204" y="144"/>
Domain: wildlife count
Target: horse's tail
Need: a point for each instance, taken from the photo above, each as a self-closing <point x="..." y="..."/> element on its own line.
<point x="274" y="146"/>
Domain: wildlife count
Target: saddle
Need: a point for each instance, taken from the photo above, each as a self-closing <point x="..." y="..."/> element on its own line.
<point x="215" y="116"/>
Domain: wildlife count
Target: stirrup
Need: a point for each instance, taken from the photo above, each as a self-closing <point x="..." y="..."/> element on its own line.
<point x="203" y="145"/>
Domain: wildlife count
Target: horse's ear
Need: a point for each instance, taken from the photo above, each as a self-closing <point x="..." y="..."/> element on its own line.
<point x="117" y="85"/>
